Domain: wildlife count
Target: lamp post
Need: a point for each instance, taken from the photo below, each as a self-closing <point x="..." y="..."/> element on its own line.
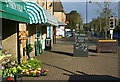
<point x="86" y="12"/>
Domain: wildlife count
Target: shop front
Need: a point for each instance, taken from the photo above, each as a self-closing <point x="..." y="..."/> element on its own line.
<point x="12" y="14"/>
<point x="40" y="21"/>
<point x="60" y="30"/>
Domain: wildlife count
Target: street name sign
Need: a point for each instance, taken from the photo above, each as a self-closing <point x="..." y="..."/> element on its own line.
<point x="80" y="45"/>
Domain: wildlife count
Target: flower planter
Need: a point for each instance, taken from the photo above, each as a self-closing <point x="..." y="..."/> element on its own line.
<point x="107" y="46"/>
<point x="18" y="78"/>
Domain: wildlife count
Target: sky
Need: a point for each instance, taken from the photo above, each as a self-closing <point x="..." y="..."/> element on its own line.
<point x="80" y="7"/>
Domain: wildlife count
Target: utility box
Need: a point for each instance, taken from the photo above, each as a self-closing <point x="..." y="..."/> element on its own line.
<point x="80" y="45"/>
<point x="48" y="44"/>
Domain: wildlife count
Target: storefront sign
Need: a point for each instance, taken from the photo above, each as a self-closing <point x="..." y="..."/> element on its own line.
<point x="14" y="9"/>
<point x="13" y="5"/>
<point x="80" y="45"/>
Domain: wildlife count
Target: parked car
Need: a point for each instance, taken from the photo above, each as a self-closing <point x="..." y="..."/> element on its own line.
<point x="68" y="34"/>
<point x="115" y="35"/>
<point x="95" y="33"/>
<point x="71" y="32"/>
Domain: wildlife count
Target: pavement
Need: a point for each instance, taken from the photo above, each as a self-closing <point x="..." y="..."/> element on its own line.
<point x="61" y="64"/>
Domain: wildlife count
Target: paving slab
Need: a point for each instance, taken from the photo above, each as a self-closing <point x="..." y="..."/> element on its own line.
<point x="62" y="65"/>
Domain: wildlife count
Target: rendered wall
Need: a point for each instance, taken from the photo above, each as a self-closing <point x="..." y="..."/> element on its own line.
<point x="9" y="36"/>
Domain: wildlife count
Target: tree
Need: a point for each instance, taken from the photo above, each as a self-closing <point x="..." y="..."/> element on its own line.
<point x="106" y="13"/>
<point x="74" y="18"/>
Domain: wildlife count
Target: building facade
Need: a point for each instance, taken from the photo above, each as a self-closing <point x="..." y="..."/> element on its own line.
<point x="59" y="13"/>
<point x="11" y="18"/>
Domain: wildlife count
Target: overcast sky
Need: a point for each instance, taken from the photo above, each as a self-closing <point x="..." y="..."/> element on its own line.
<point x="80" y="7"/>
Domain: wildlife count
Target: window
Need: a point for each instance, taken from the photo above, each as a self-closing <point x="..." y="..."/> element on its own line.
<point x="38" y="1"/>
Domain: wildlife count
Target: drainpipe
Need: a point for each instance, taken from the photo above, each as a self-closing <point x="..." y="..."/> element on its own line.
<point x="0" y="36"/>
<point x="18" y="43"/>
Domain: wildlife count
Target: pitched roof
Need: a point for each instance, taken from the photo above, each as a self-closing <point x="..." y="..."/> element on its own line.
<point x="58" y="6"/>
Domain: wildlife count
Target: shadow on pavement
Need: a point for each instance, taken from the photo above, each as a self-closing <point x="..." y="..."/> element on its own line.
<point x="92" y="55"/>
<point x="85" y="76"/>
<point x="70" y="54"/>
<point x="91" y="50"/>
<point x="63" y="53"/>
<point x="59" y="68"/>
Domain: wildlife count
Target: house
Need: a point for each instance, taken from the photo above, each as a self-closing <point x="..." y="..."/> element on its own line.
<point x="59" y="13"/>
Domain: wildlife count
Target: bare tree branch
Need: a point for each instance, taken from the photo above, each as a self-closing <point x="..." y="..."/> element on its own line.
<point x="99" y="5"/>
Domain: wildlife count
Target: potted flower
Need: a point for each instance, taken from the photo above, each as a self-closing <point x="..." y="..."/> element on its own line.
<point x="44" y="72"/>
<point x="17" y="73"/>
<point x="38" y="73"/>
<point x="4" y="75"/>
<point x="7" y="74"/>
<point x="32" y="68"/>
<point x="28" y="50"/>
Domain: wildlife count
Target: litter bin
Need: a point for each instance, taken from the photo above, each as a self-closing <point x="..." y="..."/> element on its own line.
<point x="47" y="44"/>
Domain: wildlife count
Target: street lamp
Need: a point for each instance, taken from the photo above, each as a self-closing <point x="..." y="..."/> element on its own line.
<point x="86" y="10"/>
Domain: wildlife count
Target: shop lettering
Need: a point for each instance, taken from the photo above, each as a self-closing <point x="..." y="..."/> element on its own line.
<point x="13" y="5"/>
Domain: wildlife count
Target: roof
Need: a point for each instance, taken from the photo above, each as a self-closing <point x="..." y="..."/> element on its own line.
<point x="58" y="6"/>
<point x="61" y="23"/>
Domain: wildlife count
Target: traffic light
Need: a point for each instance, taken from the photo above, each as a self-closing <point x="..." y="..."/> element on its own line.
<point x="116" y="21"/>
<point x="112" y="23"/>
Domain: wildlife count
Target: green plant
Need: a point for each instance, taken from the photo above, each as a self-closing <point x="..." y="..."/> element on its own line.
<point x="32" y="64"/>
<point x="16" y="70"/>
<point x="0" y="73"/>
<point x="28" y="49"/>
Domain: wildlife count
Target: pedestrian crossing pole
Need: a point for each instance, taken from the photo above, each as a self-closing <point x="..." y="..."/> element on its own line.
<point x="111" y="33"/>
<point x="111" y="25"/>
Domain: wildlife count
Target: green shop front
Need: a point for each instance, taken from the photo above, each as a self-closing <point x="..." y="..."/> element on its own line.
<point x="40" y="20"/>
<point x="12" y="14"/>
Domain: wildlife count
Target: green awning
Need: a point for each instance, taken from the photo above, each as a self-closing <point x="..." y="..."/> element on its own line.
<point x="39" y="15"/>
<point x="14" y="10"/>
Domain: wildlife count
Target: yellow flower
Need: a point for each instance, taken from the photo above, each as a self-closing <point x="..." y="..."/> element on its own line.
<point x="34" y="72"/>
<point x="26" y="69"/>
<point x="39" y="68"/>
<point x="27" y="72"/>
